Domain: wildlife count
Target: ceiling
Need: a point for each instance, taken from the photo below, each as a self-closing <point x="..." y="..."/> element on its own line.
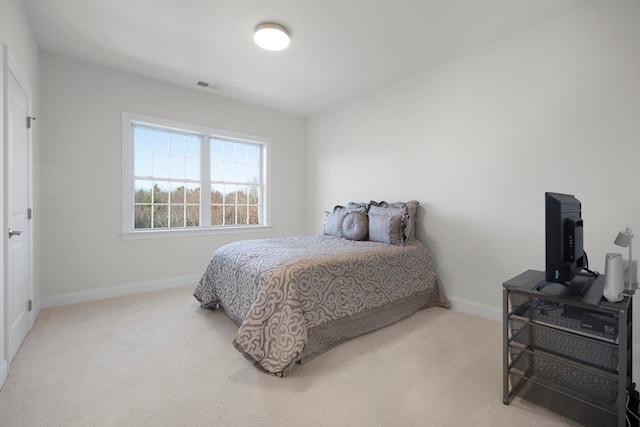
<point x="339" y="49"/>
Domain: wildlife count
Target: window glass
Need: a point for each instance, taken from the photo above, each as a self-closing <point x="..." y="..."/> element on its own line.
<point x="190" y="178"/>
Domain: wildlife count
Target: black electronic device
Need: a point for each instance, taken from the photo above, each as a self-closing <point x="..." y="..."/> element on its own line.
<point x="564" y="253"/>
<point x="603" y="323"/>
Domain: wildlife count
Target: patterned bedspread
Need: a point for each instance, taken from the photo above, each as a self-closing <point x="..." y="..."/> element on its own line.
<point x="277" y="290"/>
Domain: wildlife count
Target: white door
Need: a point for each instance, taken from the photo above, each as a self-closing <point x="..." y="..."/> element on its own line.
<point x="18" y="213"/>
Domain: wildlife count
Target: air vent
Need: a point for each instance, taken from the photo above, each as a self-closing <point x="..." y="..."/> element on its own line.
<point x="207" y="85"/>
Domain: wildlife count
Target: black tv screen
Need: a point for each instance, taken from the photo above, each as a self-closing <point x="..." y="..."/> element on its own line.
<point x="565" y="256"/>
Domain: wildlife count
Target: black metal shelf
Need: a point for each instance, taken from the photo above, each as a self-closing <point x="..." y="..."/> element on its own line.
<point x="569" y="354"/>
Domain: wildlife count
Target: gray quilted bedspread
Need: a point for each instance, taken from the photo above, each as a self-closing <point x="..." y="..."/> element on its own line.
<point x="276" y="290"/>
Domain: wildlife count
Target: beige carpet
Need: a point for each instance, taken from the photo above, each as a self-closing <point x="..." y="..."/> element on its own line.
<point x="157" y="359"/>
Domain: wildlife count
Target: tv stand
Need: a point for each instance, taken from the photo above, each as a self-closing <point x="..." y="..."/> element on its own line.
<point x="569" y="354"/>
<point x="578" y="286"/>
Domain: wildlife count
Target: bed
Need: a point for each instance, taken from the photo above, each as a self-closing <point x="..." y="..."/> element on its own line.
<point x="294" y="298"/>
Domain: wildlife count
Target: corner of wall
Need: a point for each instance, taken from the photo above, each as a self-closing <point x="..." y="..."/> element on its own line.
<point x="471" y="307"/>
<point x="4" y="373"/>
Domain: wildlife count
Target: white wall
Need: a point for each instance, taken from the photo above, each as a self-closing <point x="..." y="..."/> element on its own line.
<point x="84" y="256"/>
<point x="16" y="34"/>
<point x="478" y="141"/>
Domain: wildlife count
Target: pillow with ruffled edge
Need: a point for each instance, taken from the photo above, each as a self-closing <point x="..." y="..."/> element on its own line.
<point x="356" y="226"/>
<point x="333" y="221"/>
<point x="410" y="222"/>
<point x="358" y="207"/>
<point x="386" y="224"/>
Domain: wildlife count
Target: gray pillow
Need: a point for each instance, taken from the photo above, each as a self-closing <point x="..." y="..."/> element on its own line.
<point x="356" y="226"/>
<point x="410" y="225"/>
<point x="386" y="224"/>
<point x="359" y="207"/>
<point x="333" y="221"/>
<point x="410" y="221"/>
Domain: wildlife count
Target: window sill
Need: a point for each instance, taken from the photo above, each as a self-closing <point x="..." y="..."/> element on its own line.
<point x="192" y="232"/>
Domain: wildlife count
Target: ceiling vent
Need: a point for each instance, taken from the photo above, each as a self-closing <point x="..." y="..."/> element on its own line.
<point x="207" y="85"/>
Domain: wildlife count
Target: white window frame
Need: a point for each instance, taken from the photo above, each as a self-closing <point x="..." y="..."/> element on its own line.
<point x="128" y="226"/>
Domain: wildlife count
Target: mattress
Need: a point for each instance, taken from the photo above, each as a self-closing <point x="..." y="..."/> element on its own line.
<point x="294" y="298"/>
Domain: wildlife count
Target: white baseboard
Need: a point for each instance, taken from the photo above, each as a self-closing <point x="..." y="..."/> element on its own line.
<point x="116" y="291"/>
<point x="472" y="307"/>
<point x="4" y="372"/>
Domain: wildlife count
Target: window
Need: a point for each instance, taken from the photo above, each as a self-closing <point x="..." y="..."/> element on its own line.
<point x="181" y="178"/>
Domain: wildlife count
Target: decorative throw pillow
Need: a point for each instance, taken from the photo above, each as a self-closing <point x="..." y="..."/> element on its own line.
<point x="333" y="221"/>
<point x="358" y="207"/>
<point x="410" y="222"/>
<point x="412" y="207"/>
<point x="386" y="224"/>
<point x="356" y="226"/>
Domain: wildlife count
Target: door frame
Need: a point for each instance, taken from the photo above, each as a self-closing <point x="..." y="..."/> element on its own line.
<point x="11" y="67"/>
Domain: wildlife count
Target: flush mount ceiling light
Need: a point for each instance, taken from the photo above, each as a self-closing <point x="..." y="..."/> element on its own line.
<point x="271" y="36"/>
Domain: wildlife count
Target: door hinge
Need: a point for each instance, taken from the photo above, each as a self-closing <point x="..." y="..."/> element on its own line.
<point x="29" y="120"/>
<point x="30" y="305"/>
<point x="29" y="213"/>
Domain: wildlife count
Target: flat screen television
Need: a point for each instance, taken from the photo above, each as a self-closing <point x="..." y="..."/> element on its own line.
<point x="564" y="251"/>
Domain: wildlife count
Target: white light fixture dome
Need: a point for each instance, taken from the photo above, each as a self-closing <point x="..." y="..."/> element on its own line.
<point x="271" y="36"/>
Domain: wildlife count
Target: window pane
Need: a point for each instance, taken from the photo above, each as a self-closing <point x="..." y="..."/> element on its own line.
<point x="253" y="215"/>
<point x="193" y="216"/>
<point x="161" y="166"/>
<point x="230" y="172"/>
<point x="230" y="195"/>
<point x="176" y="168"/>
<point x="193" y="194"/>
<point x="229" y="215"/>
<point x="243" y="215"/>
<point x="216" y="171"/>
<point x="192" y="146"/>
<point x="253" y="154"/>
<point x="217" y="195"/>
<point x="142" y="164"/>
<point x="253" y="174"/>
<point x="143" y="192"/>
<point x="217" y="215"/>
<point x="242" y="195"/>
<point x="177" y="215"/>
<point x="176" y="144"/>
<point x="241" y="173"/>
<point x="161" y="192"/>
<point x="160" y="216"/>
<point x="254" y="195"/>
<point x="142" y="139"/>
<point x="192" y="169"/>
<point x="142" y="216"/>
<point x="160" y="142"/>
<point x="216" y="149"/>
<point x="228" y="151"/>
<point x="177" y="193"/>
<point x="241" y="153"/>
